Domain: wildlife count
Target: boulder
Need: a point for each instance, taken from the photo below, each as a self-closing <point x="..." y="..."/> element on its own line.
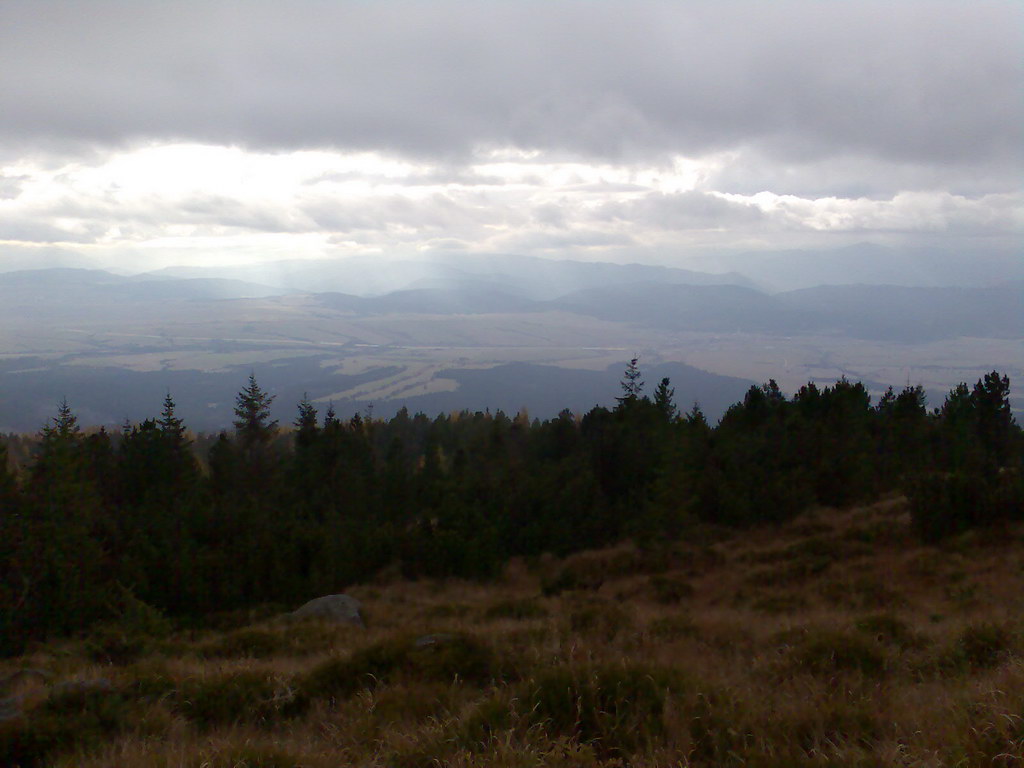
<point x="340" y="609"/>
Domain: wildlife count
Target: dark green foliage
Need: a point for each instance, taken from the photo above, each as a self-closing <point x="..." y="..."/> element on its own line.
<point x="947" y="503"/>
<point x="982" y="645"/>
<point x="265" y="517"/>
<point x="516" y="609"/>
<point x="296" y="639"/>
<point x="828" y="651"/>
<point x="594" y="615"/>
<point x="438" y="658"/>
<point x="253" y="757"/>
<point x="78" y="717"/>
<point x="890" y="629"/>
<point x="247" y="696"/>
<point x="670" y="590"/>
<point x="618" y="708"/>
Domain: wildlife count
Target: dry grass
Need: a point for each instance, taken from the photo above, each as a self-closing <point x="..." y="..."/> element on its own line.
<point x="836" y="640"/>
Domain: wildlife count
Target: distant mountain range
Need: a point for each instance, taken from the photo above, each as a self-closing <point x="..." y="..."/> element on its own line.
<point x="895" y="313"/>
<point x="870" y="264"/>
<point x="466" y="332"/>
<point x="523" y="276"/>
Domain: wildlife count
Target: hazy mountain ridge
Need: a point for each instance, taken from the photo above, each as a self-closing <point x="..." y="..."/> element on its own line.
<point x="525" y="276"/>
<point x="871" y="264"/>
<point x="476" y="338"/>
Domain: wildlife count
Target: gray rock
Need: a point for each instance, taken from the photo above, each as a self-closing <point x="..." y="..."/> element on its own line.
<point x="340" y="609"/>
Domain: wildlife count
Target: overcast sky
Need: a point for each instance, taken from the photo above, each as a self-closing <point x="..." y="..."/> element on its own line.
<point x="141" y="134"/>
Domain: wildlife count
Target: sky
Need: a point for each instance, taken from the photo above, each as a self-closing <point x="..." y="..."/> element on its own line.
<point x="137" y="135"/>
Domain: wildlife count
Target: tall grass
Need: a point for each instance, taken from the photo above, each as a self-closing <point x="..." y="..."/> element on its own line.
<point x="774" y="648"/>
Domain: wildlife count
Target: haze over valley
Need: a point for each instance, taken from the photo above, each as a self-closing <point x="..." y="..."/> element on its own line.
<point x="479" y="332"/>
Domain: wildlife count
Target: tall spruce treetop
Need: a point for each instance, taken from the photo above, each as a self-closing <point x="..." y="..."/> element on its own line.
<point x="632" y="384"/>
<point x="664" y="397"/>
<point x="306" y="418"/>
<point x="253" y="424"/>
<point x="170" y="425"/>
<point x="65" y="424"/>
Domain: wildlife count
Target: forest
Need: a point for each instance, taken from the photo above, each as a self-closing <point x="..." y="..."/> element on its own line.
<point x="278" y="514"/>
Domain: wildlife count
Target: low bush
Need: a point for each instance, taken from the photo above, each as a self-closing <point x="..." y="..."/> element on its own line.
<point x="669" y="590"/>
<point x="251" y="757"/>
<point x="982" y="645"/>
<point x="77" y="716"/>
<point x="892" y="630"/>
<point x="672" y="627"/>
<point x="616" y="708"/>
<point x="247" y="696"/>
<point x="595" y="616"/>
<point x="516" y="609"/>
<point x="135" y="631"/>
<point x="440" y="658"/>
<point x="821" y="651"/>
<point x="775" y="604"/>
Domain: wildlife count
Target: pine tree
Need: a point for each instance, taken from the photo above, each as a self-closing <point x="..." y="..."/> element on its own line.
<point x="253" y="424"/>
<point x="65" y="424"/>
<point x="306" y="420"/>
<point x="8" y="484"/>
<point x="663" y="399"/>
<point x="632" y="384"/>
<point x="170" y="425"/>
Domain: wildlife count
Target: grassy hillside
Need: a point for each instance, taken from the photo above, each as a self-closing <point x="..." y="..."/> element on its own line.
<point x="837" y="639"/>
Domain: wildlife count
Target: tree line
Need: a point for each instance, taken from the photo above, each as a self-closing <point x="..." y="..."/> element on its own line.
<point x="278" y="516"/>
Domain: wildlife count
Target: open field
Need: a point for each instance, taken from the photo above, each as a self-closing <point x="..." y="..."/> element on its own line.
<point x="837" y="640"/>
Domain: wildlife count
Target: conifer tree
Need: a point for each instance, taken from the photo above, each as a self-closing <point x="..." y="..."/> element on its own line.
<point x="632" y="384"/>
<point x="664" y="399"/>
<point x="170" y="425"/>
<point x="253" y="424"/>
<point x="993" y="418"/>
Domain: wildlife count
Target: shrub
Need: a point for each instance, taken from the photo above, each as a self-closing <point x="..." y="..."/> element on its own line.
<point x="982" y="645"/>
<point x="588" y="571"/>
<point x="776" y="604"/>
<point x="73" y="717"/>
<point x="249" y="642"/>
<point x="617" y="708"/>
<point x="671" y="627"/>
<point x="862" y="593"/>
<point x="246" y="696"/>
<point x="440" y="658"/>
<point x="668" y="590"/>
<point x="131" y="634"/>
<point x="593" y="615"/>
<point x="516" y="609"/>
<point x="890" y="629"/>
<point x="827" y="651"/>
<point x="251" y="757"/>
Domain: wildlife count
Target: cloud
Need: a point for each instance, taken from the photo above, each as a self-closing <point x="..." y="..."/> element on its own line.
<point x="683" y="210"/>
<point x="915" y="82"/>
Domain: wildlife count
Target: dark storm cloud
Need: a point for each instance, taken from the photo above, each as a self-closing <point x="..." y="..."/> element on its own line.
<point x="936" y="84"/>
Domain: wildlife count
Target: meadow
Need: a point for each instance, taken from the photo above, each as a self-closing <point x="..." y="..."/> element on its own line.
<point x="837" y="638"/>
